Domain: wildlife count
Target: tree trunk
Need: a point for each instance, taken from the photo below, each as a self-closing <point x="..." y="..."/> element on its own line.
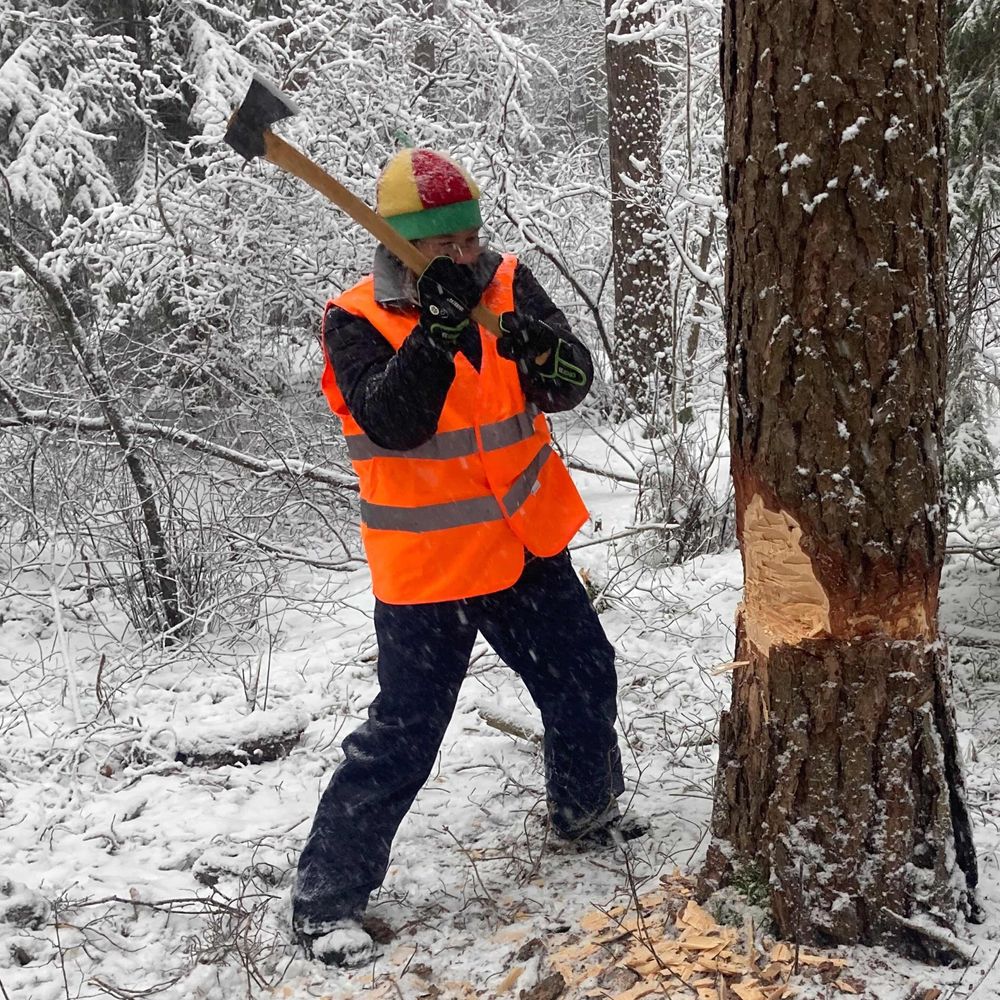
<point x="838" y="765"/>
<point x="640" y="361"/>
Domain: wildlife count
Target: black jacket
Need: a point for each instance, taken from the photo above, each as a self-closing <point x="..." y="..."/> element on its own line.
<point x="397" y="396"/>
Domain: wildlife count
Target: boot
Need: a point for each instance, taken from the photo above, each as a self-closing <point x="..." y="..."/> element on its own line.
<point x="343" y="943"/>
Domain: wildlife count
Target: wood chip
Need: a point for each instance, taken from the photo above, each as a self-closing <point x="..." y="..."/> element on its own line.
<point x="695" y="916"/>
<point x="727" y="968"/>
<point x="508" y="981"/>
<point x="822" y="960"/>
<point x="747" y="991"/>
<point x="845" y="987"/>
<point x="644" y="989"/>
<point x="702" y="942"/>
<point x="773" y="971"/>
<point x="595" y="921"/>
<point x="723" y="668"/>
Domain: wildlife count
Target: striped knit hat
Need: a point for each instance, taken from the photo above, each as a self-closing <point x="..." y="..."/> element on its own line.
<point x="424" y="193"/>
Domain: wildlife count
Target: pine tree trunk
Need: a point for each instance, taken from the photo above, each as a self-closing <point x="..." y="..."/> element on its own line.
<point x="642" y="342"/>
<point x="838" y="766"/>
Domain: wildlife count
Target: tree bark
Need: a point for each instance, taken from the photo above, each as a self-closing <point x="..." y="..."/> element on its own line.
<point x="642" y="346"/>
<point x="838" y="767"/>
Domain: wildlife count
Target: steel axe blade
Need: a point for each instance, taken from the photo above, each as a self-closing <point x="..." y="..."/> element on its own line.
<point x="263" y="105"/>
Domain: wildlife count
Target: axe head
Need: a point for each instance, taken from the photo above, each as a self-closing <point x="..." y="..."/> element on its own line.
<point x="261" y="108"/>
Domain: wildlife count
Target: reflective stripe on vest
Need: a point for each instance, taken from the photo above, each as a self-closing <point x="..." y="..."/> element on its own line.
<point x="451" y="444"/>
<point x="457" y="513"/>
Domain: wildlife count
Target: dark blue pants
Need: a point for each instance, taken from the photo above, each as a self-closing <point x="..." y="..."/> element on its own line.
<point x="545" y="628"/>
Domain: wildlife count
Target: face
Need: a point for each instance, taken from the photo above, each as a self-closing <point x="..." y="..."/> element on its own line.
<point x="462" y="248"/>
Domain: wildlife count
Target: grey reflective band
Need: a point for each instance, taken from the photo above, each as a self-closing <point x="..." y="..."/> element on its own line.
<point x="433" y="517"/>
<point x="458" y="513"/>
<point x="447" y="444"/>
<point x="525" y="483"/>
<point x="450" y="444"/>
<point x="519" y="427"/>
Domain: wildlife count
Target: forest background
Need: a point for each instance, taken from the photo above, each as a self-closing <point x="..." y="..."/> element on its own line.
<point x="167" y="464"/>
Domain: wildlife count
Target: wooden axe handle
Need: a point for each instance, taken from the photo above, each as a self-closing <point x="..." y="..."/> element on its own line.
<point x="285" y="155"/>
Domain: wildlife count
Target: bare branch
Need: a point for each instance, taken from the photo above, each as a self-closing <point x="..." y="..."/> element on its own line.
<point x="291" y="467"/>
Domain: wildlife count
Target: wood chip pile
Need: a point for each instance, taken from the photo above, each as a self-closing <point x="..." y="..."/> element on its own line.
<point x="666" y="945"/>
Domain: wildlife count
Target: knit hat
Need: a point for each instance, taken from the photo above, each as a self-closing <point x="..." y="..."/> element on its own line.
<point x="425" y="193"/>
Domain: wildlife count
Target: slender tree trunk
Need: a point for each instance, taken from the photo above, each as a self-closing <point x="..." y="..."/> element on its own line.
<point x="642" y="346"/>
<point x="838" y="764"/>
<point x="159" y="572"/>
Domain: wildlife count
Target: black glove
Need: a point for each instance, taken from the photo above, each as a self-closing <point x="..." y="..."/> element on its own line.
<point x="524" y="340"/>
<point x="447" y="292"/>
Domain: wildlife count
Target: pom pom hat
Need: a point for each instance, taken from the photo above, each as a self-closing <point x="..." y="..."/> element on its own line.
<point x="425" y="193"/>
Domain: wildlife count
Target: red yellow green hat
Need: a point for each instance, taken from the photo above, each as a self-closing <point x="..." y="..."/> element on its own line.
<point x="421" y="192"/>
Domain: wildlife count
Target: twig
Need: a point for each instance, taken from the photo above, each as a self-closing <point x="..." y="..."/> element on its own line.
<point x="798" y="918"/>
<point x="938" y="936"/>
<point x="982" y="979"/>
<point x="347" y="566"/>
<point x="634" y="530"/>
<point x="123" y="993"/>
<point x="640" y="919"/>
<point x="59" y="947"/>
<point x="472" y="862"/>
<point x="628" y="932"/>
<point x="69" y="665"/>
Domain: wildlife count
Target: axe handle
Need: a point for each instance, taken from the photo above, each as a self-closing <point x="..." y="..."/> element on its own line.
<point x="285" y="155"/>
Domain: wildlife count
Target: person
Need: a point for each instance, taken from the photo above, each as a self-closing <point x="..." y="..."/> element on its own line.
<point x="466" y="512"/>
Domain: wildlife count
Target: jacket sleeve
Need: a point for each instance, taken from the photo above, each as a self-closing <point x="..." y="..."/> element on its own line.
<point x="551" y="393"/>
<point x="396" y="396"/>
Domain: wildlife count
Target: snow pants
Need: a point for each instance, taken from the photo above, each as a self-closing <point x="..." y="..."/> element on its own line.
<point x="543" y="627"/>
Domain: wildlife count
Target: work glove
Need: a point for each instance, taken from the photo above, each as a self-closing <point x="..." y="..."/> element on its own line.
<point x="535" y="347"/>
<point x="447" y="293"/>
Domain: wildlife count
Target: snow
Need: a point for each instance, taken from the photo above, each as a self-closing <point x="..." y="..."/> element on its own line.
<point x="190" y="867"/>
<point x="852" y="131"/>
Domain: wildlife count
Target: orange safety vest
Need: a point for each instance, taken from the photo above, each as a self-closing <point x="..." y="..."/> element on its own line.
<point x="452" y="518"/>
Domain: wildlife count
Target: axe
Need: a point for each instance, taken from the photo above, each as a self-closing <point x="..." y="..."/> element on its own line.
<point x="250" y="134"/>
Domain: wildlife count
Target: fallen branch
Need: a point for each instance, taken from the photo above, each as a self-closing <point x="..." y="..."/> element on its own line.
<point x="937" y="938"/>
<point x="291" y="467"/>
<point x="509" y="727"/>
<point x="348" y="565"/>
<point x="636" y="529"/>
<point x="619" y="477"/>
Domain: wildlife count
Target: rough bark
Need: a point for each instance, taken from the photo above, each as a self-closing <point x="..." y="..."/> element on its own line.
<point x="838" y="767"/>
<point x="642" y="339"/>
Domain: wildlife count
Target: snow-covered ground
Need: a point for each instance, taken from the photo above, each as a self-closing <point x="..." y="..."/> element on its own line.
<point x="124" y="873"/>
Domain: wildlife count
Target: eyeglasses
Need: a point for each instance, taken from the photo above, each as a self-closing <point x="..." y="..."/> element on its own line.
<point x="454" y="245"/>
